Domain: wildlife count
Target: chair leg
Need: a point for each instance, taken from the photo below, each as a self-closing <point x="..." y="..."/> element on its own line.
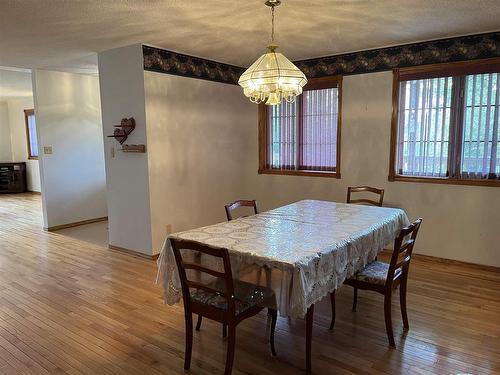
<point x="309" y="328"/>
<point x="355" y="299"/>
<point x="402" y="301"/>
<point x="189" y="340"/>
<point x="388" y="319"/>
<point x="224" y="330"/>
<point x="274" y="318"/>
<point x="198" y="323"/>
<point x="230" y="350"/>
<point x="332" y="300"/>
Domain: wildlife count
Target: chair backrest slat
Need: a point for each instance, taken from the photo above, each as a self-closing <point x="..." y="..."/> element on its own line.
<point x="369" y="189"/>
<point x="197" y="267"/>
<point x="403" y="250"/>
<point x="240" y="203"/>
<point x="186" y="284"/>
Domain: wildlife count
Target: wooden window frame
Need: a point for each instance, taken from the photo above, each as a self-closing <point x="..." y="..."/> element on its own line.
<point x="452" y="69"/>
<point x="27" y="113"/>
<point x="312" y="84"/>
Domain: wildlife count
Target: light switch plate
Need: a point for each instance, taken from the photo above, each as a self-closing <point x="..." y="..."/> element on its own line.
<point x="47" y="150"/>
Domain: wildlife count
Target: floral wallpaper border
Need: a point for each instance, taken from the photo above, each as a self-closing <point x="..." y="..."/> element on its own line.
<point x="462" y="48"/>
<point x="164" y="61"/>
<point x="470" y="47"/>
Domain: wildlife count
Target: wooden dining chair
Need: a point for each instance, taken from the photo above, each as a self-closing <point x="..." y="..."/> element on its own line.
<point x="224" y="300"/>
<point x="361" y="189"/>
<point x="231" y="207"/>
<point x="384" y="277"/>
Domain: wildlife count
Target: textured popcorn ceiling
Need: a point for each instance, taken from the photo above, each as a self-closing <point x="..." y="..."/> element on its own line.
<point x="66" y="34"/>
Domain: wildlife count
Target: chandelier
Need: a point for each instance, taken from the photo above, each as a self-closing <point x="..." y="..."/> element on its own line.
<point x="272" y="78"/>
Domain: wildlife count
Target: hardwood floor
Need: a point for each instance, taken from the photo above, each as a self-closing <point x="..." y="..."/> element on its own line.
<point x="71" y="307"/>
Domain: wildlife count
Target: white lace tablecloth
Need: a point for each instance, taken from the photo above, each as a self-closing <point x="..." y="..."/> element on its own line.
<point x="303" y="251"/>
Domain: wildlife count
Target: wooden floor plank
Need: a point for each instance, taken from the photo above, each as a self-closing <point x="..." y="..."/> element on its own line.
<point x="72" y="307"/>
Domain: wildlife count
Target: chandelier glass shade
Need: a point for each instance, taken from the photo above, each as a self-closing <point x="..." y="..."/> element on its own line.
<point x="272" y="78"/>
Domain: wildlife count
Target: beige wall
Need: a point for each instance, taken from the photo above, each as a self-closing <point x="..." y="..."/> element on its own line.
<point x="200" y="150"/>
<point x="68" y="115"/>
<point x="203" y="153"/>
<point x="5" y="147"/>
<point x="19" y="142"/>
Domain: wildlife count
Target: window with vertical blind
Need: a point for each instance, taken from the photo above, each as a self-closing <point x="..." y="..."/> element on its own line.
<point x="303" y="137"/>
<point x="31" y="137"/>
<point x="445" y="125"/>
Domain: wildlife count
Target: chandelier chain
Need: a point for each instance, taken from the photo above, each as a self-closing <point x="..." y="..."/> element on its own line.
<point x="272" y="23"/>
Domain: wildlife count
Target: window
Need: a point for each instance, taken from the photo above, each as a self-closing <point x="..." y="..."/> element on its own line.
<point x="29" y="116"/>
<point x="445" y="125"/>
<point x="303" y="138"/>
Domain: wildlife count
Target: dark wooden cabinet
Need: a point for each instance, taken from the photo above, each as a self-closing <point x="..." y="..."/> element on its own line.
<point x="12" y="177"/>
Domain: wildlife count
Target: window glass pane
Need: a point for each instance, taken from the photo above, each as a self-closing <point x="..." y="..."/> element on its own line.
<point x="424" y="126"/>
<point x="282" y="135"/>
<point x="32" y="136"/>
<point x="480" y="139"/>
<point x="319" y="130"/>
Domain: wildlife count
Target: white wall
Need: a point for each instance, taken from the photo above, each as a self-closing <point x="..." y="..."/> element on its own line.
<point x="201" y="149"/>
<point x="203" y="153"/>
<point x="67" y="109"/>
<point x="19" y="141"/>
<point x="5" y="148"/>
<point x="122" y="95"/>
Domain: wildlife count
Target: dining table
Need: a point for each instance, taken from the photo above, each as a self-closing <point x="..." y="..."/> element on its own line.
<point x="303" y="251"/>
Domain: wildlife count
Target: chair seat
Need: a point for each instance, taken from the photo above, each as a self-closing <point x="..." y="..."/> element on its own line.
<point x="247" y="295"/>
<point x="375" y="273"/>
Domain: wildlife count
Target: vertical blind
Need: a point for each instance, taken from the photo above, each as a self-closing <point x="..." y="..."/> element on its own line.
<point x="303" y="135"/>
<point x="424" y="127"/>
<point x="32" y="137"/>
<point x="480" y="156"/>
<point x="319" y="130"/>
<point x="282" y="135"/>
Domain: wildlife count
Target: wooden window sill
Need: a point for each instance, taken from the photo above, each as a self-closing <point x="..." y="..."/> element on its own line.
<point x="285" y="172"/>
<point x="444" y="180"/>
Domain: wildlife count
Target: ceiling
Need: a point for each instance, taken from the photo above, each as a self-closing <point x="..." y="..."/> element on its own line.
<point x="15" y="84"/>
<point x="65" y="35"/>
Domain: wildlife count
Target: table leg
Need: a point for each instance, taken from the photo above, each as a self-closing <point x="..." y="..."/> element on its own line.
<point x="309" y="327"/>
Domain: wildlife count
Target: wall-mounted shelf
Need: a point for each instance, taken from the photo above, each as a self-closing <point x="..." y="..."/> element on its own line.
<point x="134" y="148"/>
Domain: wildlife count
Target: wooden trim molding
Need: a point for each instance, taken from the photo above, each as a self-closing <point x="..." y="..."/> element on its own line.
<point x="75" y="224"/>
<point x="306" y="173"/>
<point x="445" y="180"/>
<point x="430" y="258"/>
<point x="481" y="66"/>
<point x="312" y="84"/>
<point x="394" y="124"/>
<point x="133" y="252"/>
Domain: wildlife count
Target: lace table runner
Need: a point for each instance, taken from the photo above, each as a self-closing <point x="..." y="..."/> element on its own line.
<point x="303" y="251"/>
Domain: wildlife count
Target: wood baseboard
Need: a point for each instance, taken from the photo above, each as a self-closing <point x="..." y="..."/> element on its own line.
<point x="75" y="224"/>
<point x="132" y="252"/>
<point x="430" y="258"/>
